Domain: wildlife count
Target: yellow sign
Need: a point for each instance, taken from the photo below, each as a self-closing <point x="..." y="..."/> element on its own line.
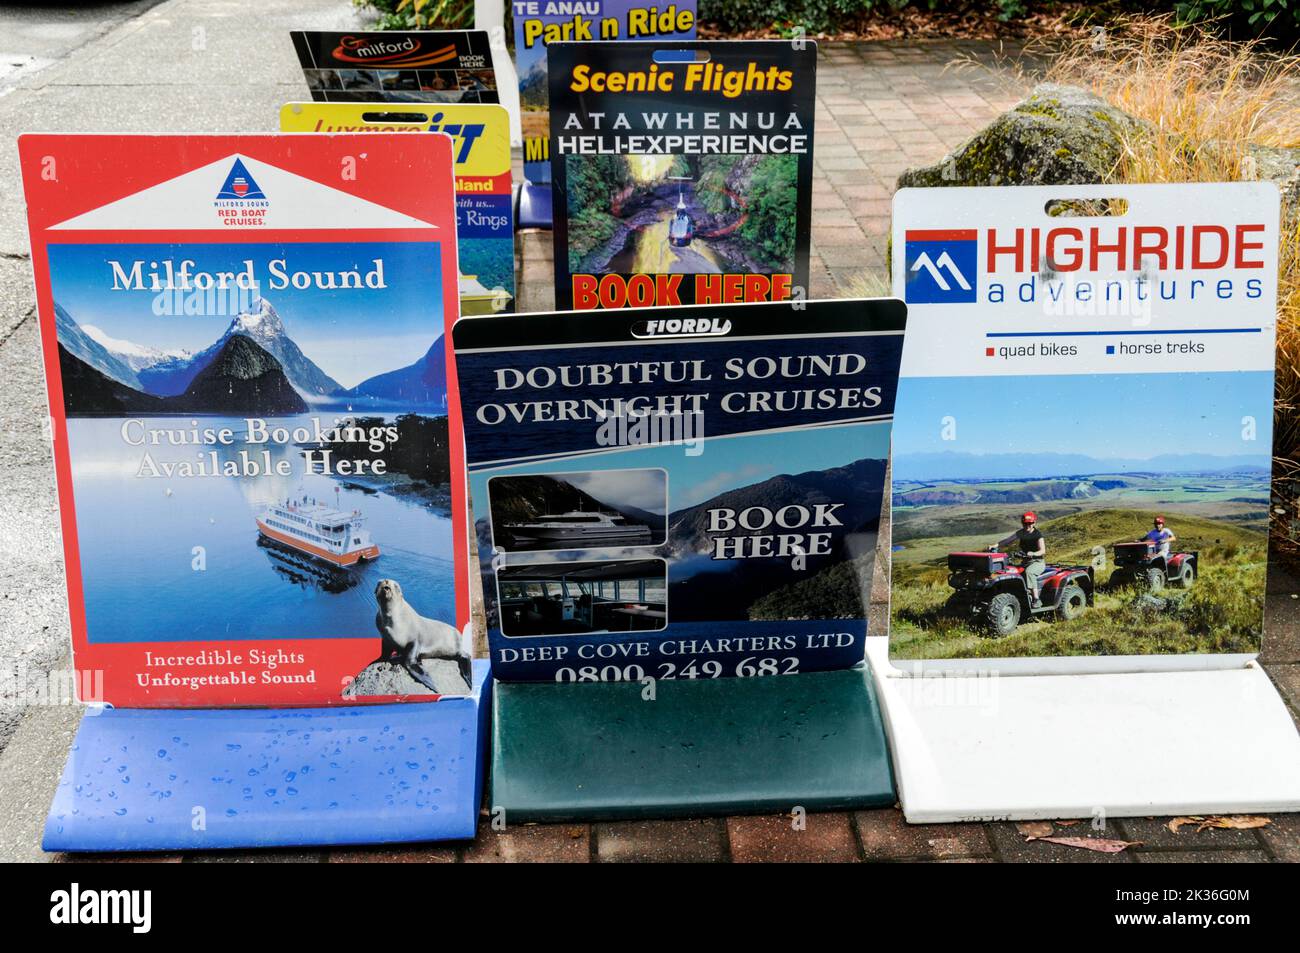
<point x="481" y="153"/>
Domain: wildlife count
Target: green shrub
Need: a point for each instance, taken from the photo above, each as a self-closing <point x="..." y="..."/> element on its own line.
<point x="1259" y="16"/>
<point x="818" y="16"/>
<point x="421" y="14"/>
<point x="814" y="16"/>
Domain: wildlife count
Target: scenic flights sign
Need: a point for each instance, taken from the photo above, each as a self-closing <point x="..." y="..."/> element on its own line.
<point x="402" y="66"/>
<point x="678" y="493"/>
<point x="256" y="428"/>
<point x="539" y="23"/>
<point x="682" y="172"/>
<point x="485" y="235"/>
<point x="1084" y="442"/>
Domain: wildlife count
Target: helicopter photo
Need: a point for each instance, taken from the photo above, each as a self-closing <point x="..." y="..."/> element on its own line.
<point x="681" y="230"/>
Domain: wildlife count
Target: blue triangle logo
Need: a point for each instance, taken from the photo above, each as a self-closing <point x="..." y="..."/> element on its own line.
<point x="240" y="185"/>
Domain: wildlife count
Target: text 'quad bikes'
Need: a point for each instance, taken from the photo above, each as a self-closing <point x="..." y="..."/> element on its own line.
<point x="1143" y="564"/>
<point x="991" y="587"/>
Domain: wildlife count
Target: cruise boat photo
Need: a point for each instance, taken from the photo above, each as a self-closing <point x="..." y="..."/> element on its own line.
<point x="335" y="536"/>
<point x="581" y="527"/>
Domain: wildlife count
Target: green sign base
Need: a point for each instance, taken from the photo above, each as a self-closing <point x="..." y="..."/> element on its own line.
<point x="606" y="751"/>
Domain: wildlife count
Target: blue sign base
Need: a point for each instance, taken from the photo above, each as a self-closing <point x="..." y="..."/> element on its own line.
<point x="604" y="751"/>
<point x="140" y="779"/>
<point x="533" y="206"/>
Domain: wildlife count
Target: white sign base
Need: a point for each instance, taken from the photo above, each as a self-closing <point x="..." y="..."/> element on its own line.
<point x="979" y="747"/>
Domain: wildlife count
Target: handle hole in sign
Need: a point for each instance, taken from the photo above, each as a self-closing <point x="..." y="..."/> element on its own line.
<point x="669" y="57"/>
<point x="411" y="118"/>
<point x="1086" y="208"/>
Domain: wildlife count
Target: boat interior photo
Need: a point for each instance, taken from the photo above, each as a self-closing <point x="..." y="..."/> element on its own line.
<point x="582" y="598"/>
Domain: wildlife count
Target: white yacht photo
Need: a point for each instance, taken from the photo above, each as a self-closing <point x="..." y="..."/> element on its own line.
<point x="580" y="526"/>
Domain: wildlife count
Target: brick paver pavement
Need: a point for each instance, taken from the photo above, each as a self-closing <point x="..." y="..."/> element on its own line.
<point x="881" y="108"/>
<point x="876" y="835"/>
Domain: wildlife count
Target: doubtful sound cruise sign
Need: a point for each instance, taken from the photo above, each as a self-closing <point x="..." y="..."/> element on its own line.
<point x="687" y="494"/>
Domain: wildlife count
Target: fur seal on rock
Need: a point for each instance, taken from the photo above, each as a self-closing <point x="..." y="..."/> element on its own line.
<point x="412" y="637"/>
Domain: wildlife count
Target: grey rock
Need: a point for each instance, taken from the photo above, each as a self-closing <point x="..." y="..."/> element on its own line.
<point x="1058" y="135"/>
<point x="391" y="678"/>
<point x="1280" y="165"/>
<point x="1148" y="604"/>
<point x="1277" y="164"/>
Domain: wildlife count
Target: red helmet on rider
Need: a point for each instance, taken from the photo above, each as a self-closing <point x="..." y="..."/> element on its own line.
<point x="1029" y="518"/>
<point x="1160" y="521"/>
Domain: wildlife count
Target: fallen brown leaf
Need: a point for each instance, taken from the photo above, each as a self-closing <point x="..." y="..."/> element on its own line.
<point x="1235" y="822"/>
<point x="1178" y="822"/>
<point x="1100" y="844"/>
<point x="1068" y="823"/>
<point x="1033" y="830"/>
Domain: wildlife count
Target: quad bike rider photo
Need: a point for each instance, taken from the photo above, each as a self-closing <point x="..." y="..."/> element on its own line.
<point x="1031" y="548"/>
<point x="1011" y="583"/>
<point x="1160" y="536"/>
<point x="1151" y="563"/>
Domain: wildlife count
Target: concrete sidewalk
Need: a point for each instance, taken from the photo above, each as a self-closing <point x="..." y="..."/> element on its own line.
<point x="218" y="66"/>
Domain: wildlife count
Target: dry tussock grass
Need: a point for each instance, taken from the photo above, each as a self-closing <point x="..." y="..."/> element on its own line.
<point x="1206" y="98"/>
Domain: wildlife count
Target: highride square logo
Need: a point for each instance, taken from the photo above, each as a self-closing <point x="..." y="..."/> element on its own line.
<point x="941" y="265"/>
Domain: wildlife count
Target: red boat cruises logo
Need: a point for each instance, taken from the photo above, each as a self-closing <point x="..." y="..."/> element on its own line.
<point x="240" y="202"/>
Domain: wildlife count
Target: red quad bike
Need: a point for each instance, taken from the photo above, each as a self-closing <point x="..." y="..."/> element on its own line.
<point x="991" y="587"/>
<point x="1140" y="564"/>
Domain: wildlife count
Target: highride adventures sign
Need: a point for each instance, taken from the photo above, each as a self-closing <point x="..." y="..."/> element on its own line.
<point x="1084" y="442"/>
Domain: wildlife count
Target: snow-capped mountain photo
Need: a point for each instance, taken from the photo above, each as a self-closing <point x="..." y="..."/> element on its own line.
<point x="77" y="342"/>
<point x="135" y="356"/>
<point x="154" y="373"/>
<point x="263" y="325"/>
